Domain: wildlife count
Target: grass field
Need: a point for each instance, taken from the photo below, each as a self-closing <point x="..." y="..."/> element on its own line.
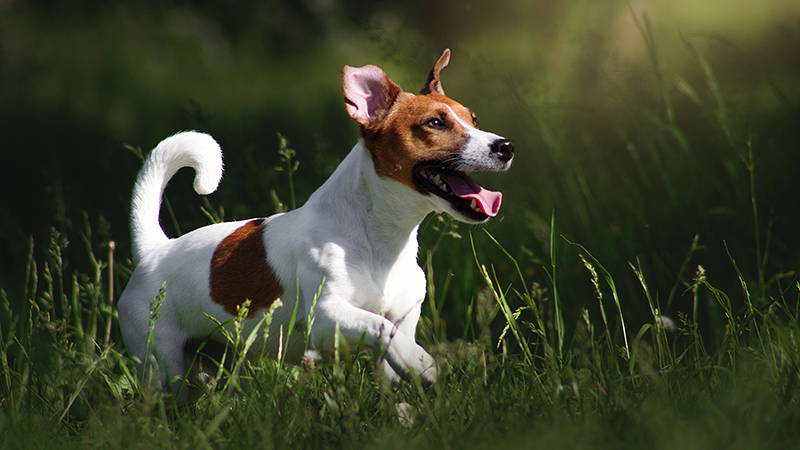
<point x="662" y="385"/>
<point x="639" y="291"/>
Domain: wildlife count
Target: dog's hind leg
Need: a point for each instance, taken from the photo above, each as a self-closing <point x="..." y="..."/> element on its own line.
<point x="209" y="364"/>
<point x="164" y="365"/>
<point x="156" y="348"/>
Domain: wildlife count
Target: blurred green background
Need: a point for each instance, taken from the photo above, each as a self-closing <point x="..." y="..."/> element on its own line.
<point x="635" y="123"/>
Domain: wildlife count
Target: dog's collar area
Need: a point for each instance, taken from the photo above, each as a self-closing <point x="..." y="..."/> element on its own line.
<point x="466" y="196"/>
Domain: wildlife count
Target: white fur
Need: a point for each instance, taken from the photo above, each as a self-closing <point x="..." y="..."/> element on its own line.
<point x="474" y="155"/>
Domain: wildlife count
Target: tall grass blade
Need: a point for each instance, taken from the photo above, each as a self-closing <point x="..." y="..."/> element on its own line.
<point x="500" y="298"/>
<point x="82" y="383"/>
<point x="761" y="259"/>
<point x="77" y="321"/>
<point x="526" y="294"/>
<point x="559" y="317"/>
<point x="111" y="247"/>
<point x="290" y="326"/>
<point x="695" y="245"/>
<point x="662" y="344"/>
<point x="287" y="157"/>
<point x="610" y="281"/>
<point x="150" y="348"/>
<point x="311" y="314"/>
<point x="599" y="292"/>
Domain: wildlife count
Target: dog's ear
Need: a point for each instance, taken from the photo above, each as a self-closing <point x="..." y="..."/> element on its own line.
<point x="368" y="93"/>
<point x="434" y="83"/>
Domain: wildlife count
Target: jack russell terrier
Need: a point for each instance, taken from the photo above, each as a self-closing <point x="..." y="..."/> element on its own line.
<point x="348" y="256"/>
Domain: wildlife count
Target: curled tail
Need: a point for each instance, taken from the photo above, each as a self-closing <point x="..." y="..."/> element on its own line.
<point x="190" y="149"/>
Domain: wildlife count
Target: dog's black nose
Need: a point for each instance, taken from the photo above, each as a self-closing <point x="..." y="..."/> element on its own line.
<point x="504" y="149"/>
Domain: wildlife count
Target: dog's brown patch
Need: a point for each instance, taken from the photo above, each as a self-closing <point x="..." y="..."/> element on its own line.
<point x="402" y="139"/>
<point x="239" y="271"/>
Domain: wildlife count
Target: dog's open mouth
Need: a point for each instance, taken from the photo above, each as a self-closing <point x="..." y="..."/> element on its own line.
<point x="467" y="197"/>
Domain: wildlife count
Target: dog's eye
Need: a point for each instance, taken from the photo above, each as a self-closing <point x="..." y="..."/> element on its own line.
<point x="436" y="123"/>
<point x="475" y="121"/>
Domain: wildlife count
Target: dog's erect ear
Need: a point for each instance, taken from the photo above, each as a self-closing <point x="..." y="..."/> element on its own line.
<point x="368" y="92"/>
<point x="434" y="83"/>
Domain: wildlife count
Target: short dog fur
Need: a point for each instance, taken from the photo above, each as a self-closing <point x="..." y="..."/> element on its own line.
<point x="354" y="242"/>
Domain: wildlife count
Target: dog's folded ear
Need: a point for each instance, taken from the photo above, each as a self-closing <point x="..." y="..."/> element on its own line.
<point x="368" y="93"/>
<point x="434" y="83"/>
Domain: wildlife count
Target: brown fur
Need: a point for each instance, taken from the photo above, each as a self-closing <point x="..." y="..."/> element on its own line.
<point x="395" y="151"/>
<point x="239" y="271"/>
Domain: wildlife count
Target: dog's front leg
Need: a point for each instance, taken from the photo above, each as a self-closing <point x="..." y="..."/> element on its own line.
<point x="399" y="350"/>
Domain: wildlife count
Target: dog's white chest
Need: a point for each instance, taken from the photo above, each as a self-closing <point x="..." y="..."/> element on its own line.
<point x="384" y="286"/>
<point x="396" y="291"/>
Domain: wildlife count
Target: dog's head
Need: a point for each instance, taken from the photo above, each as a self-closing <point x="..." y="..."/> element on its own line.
<point x="429" y="142"/>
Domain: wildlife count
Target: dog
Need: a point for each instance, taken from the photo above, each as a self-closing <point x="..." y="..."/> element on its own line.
<point x="344" y="263"/>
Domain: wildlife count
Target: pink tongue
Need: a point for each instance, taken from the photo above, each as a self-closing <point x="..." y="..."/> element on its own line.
<point x="464" y="187"/>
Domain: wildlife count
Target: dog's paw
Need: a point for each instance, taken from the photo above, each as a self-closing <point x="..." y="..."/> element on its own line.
<point x="411" y="361"/>
<point x="430" y="371"/>
<point x="404" y="414"/>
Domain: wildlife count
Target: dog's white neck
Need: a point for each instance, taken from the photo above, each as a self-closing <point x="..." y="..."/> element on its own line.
<point x="387" y="211"/>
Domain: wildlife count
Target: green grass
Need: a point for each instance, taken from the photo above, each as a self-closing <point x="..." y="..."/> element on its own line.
<point x="66" y="382"/>
<point x="640" y="292"/>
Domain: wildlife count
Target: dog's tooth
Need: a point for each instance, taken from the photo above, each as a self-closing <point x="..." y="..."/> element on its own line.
<point x="473" y="204"/>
